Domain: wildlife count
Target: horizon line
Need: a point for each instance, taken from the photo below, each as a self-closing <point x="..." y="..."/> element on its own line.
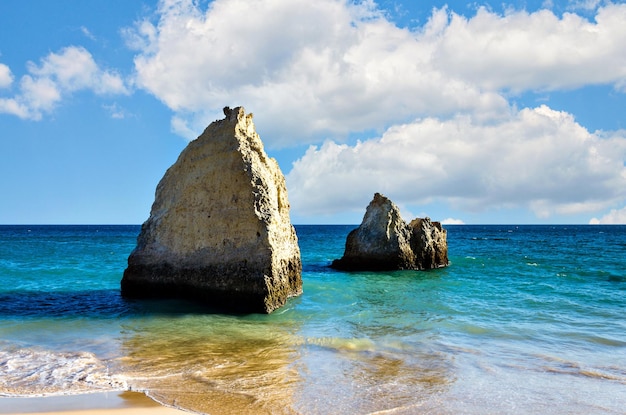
<point x="331" y="224"/>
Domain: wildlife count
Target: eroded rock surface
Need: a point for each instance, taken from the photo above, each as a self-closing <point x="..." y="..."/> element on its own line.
<point x="384" y="241"/>
<point x="219" y="230"/>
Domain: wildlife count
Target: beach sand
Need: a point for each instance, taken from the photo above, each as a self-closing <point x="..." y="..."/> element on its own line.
<point x="116" y="403"/>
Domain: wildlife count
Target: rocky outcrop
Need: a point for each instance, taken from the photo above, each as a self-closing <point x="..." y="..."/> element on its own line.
<point x="219" y="229"/>
<point x="384" y="241"/>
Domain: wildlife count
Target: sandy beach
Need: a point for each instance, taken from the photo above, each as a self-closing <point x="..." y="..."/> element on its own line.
<point x="117" y="403"/>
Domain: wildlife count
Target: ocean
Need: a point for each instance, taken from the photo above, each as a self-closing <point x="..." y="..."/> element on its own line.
<point x="525" y="320"/>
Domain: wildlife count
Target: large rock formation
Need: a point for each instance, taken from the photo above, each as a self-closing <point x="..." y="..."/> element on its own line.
<point x="384" y="241"/>
<point x="219" y="229"/>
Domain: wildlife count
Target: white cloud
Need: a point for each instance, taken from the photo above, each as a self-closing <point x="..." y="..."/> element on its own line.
<point x="313" y="69"/>
<point x="87" y="33"/>
<point x="614" y="217"/>
<point x="39" y="94"/>
<point x="584" y="4"/>
<point x="452" y="221"/>
<point x="142" y="37"/>
<point x="59" y="74"/>
<point x="12" y="106"/>
<point x="74" y="69"/>
<point x="6" y="77"/>
<point x="310" y="70"/>
<point x="116" y="111"/>
<point x="522" y="51"/>
<point x="539" y="159"/>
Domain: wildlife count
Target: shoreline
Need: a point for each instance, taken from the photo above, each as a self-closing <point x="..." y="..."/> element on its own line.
<point x="98" y="403"/>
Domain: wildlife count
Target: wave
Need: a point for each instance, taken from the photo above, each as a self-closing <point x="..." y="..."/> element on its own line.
<point x="39" y="372"/>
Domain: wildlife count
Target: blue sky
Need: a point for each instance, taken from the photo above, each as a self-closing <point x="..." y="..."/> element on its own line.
<point x="466" y="112"/>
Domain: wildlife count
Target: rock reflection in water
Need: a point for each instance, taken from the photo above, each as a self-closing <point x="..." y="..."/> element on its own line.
<point x="214" y="364"/>
<point x="222" y="364"/>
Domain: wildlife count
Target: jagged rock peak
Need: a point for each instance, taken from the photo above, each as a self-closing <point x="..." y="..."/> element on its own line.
<point x="384" y="241"/>
<point x="219" y="228"/>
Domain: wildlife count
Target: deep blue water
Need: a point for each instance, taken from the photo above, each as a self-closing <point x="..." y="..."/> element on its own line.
<point x="526" y="319"/>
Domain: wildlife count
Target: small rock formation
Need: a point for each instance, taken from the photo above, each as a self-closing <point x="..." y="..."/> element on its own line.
<point x="384" y="241"/>
<point x="219" y="229"/>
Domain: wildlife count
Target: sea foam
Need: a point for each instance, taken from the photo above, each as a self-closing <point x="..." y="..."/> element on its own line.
<point x="33" y="372"/>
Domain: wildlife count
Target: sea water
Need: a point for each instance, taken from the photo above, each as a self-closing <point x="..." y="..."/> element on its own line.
<point x="525" y="320"/>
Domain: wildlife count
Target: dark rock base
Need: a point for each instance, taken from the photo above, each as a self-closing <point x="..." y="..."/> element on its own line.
<point x="211" y="286"/>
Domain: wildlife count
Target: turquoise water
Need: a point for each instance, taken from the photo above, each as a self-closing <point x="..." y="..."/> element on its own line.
<point x="525" y="320"/>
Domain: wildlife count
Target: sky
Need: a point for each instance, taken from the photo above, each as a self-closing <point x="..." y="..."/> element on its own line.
<point x="465" y="112"/>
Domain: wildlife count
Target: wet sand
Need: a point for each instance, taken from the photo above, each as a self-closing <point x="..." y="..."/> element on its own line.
<point x="117" y="403"/>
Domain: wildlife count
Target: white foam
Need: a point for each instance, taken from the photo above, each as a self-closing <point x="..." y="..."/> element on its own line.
<point x="36" y="372"/>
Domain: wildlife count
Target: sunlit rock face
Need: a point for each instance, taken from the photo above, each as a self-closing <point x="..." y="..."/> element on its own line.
<point x="219" y="230"/>
<point x="384" y="241"/>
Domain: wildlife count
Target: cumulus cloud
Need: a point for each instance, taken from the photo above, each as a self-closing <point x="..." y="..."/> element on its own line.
<point x="327" y="68"/>
<point x="539" y="159"/>
<point x="12" y="106"/>
<point x="319" y="68"/>
<point x="530" y="51"/>
<point x="6" y="77"/>
<point x="59" y="74"/>
<point x="614" y="217"/>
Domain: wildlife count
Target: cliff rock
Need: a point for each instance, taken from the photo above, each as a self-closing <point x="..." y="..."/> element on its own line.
<point x="219" y="229"/>
<point x="384" y="241"/>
